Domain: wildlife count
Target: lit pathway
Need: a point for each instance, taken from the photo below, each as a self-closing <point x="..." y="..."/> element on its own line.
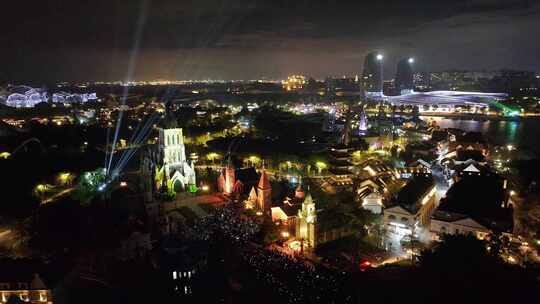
<point x="57" y="195"/>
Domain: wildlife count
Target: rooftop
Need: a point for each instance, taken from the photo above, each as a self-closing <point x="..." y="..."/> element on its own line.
<point x="409" y="197"/>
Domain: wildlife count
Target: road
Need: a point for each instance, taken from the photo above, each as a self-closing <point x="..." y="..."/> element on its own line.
<point x="440" y="181"/>
<point x="57" y="195"/>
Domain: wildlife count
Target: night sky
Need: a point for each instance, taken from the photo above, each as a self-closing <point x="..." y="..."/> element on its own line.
<point x="247" y="39"/>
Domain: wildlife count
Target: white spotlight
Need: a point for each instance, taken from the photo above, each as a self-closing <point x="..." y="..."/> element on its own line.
<point x="411" y="60"/>
<point x="379" y="56"/>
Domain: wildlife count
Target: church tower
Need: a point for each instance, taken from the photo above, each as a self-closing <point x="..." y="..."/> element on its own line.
<point x="177" y="171"/>
<point x="172" y="145"/>
<point x="264" y="193"/>
<point x="307" y="223"/>
<point x="299" y="192"/>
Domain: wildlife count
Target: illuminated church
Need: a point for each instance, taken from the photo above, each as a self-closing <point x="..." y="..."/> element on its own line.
<point x="260" y="197"/>
<point x="176" y="173"/>
<point x="306" y="223"/>
<point x="165" y="165"/>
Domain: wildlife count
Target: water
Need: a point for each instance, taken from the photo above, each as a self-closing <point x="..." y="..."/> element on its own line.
<point x="523" y="133"/>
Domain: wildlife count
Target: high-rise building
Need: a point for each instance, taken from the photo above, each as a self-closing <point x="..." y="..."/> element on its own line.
<point x="404" y="76"/>
<point x="372" y="80"/>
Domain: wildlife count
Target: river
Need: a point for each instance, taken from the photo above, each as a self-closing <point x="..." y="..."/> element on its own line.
<point x="523" y="133"/>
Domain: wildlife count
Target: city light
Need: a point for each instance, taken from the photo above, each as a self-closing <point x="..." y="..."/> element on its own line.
<point x="285" y="234"/>
<point x="411" y="60"/>
<point x="123" y="184"/>
<point x="380" y="57"/>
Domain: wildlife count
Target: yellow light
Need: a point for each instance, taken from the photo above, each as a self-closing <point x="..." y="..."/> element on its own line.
<point x="285" y="234"/>
<point x="41" y="187"/>
<point x="212" y="156"/>
<point x="123" y="184"/>
<point x="512" y="192"/>
<point x="259" y="213"/>
<point x="320" y="166"/>
<point x="5" y="155"/>
<point x="205" y="188"/>
<point x="64" y="178"/>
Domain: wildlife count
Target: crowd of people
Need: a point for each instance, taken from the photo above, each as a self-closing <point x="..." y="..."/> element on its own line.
<point x="227" y="222"/>
<point x="294" y="279"/>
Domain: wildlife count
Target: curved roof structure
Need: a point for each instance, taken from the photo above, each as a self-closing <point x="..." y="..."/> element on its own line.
<point x="446" y="98"/>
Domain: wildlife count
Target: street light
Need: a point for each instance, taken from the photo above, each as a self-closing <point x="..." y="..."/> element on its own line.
<point x="320" y="166"/>
<point x="380" y="57"/>
<point x="65" y="178"/>
<point x="411" y="60"/>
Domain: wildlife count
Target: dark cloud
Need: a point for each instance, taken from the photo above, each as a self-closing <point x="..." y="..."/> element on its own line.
<point x="55" y="39"/>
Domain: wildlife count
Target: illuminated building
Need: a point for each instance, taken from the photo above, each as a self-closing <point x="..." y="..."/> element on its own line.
<point x="227" y="180"/>
<point x="372" y="79"/>
<point x="33" y="291"/>
<point x="306" y="223"/>
<point x="444" y="222"/>
<point x="373" y="203"/>
<point x="64" y="97"/>
<point x="252" y="199"/>
<point x="264" y="193"/>
<point x="167" y="162"/>
<point x="233" y="181"/>
<point x="294" y="82"/>
<point x="315" y="227"/>
<point x="414" y="205"/>
<point x="178" y="172"/>
<point x="362" y="123"/>
<point x="28" y="97"/>
<point x="299" y="192"/>
<point x="329" y="122"/>
<point x="25" y="97"/>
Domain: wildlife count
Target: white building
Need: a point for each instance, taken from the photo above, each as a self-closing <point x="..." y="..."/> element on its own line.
<point x="373" y="202"/>
<point x="178" y="172"/>
<point x="443" y="222"/>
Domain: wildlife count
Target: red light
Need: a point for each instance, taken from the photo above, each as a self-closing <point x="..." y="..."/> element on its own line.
<point x="366" y="263"/>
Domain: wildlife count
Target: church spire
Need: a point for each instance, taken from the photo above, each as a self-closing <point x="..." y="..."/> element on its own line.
<point x="264" y="183"/>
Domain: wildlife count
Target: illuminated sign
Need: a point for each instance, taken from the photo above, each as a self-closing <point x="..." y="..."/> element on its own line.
<point x="406" y="175"/>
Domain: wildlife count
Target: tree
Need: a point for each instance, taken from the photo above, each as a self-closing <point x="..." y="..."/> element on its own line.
<point x="460" y="267"/>
<point x="456" y="251"/>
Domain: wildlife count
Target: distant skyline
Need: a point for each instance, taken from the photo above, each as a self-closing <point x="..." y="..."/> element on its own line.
<point x="106" y="40"/>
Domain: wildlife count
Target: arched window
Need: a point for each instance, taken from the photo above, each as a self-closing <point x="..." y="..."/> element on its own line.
<point x="404" y="219"/>
<point x="391" y="217"/>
